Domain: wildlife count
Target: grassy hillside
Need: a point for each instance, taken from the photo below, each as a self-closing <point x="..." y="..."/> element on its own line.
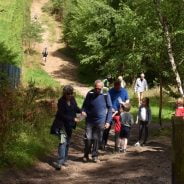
<point x="13" y="15"/>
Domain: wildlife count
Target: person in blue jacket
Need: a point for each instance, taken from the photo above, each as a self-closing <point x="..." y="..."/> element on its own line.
<point x="119" y="95"/>
<point x="98" y="110"/>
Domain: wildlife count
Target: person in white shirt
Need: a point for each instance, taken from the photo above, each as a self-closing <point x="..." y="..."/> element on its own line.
<point x="141" y="85"/>
<point x="144" y="117"/>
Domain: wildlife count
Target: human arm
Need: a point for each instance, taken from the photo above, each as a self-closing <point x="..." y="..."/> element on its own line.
<point x="149" y="115"/>
<point x="145" y="85"/>
<point x="85" y="105"/>
<point x="109" y="111"/>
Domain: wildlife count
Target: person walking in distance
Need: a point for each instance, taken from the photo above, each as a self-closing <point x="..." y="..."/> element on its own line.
<point x="144" y="118"/>
<point x="98" y="110"/>
<point x="45" y="54"/>
<point x="140" y="86"/>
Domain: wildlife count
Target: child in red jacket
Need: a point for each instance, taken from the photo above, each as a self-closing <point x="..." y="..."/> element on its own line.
<point x="179" y="112"/>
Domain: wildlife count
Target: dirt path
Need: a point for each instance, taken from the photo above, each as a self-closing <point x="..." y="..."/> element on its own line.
<point x="58" y="65"/>
<point x="140" y="165"/>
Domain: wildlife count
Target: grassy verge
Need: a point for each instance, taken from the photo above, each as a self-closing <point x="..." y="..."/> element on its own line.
<point x="32" y="72"/>
<point x="13" y="15"/>
<point x="153" y="94"/>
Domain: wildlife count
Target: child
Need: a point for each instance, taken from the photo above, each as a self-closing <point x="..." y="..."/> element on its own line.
<point x="144" y="118"/>
<point x="117" y="128"/>
<point x="126" y="122"/>
<point x="179" y="112"/>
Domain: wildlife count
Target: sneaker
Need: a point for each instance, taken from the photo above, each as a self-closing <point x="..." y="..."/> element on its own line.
<point x="57" y="166"/>
<point x="124" y="151"/>
<point x="117" y="150"/>
<point x="65" y="164"/>
<point x="120" y="150"/>
<point x="143" y="144"/>
<point x="95" y="159"/>
<point x="137" y="144"/>
<point x="103" y="147"/>
<point x="85" y="159"/>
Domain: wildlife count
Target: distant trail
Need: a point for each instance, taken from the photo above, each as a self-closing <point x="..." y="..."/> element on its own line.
<point x="59" y="66"/>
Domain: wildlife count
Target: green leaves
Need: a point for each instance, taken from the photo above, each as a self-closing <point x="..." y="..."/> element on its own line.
<point x="125" y="36"/>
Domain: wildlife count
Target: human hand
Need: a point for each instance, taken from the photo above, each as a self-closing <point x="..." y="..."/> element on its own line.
<point x="83" y="114"/>
<point x="114" y="113"/>
<point x="76" y="120"/>
<point x="107" y="125"/>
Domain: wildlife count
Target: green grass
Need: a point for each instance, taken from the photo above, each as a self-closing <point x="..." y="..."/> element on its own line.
<point x="153" y="94"/>
<point x="28" y="145"/>
<point x="32" y="72"/>
<point x="13" y="15"/>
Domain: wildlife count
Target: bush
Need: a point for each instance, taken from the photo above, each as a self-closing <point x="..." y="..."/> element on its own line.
<point x="25" y="117"/>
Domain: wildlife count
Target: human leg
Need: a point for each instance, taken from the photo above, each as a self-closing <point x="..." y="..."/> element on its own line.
<point x="105" y="136"/>
<point x="88" y="140"/>
<point x="141" y="128"/>
<point x="146" y="132"/>
<point x="61" y="154"/>
<point x="97" y="131"/>
<point x="125" y="135"/>
<point x="117" y="141"/>
<point x="139" y="98"/>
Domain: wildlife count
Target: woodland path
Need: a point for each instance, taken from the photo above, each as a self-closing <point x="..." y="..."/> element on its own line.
<point x="140" y="165"/>
<point x="58" y="65"/>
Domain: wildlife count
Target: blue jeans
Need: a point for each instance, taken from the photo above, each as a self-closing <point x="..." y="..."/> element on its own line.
<point x="63" y="151"/>
<point x="93" y="137"/>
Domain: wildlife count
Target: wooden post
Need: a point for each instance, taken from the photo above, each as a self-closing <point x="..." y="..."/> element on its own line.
<point x="178" y="150"/>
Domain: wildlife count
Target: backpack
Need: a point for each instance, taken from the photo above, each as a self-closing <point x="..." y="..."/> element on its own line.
<point x="45" y="53"/>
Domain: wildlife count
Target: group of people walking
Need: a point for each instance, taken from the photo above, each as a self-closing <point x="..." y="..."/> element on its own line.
<point x="101" y="110"/>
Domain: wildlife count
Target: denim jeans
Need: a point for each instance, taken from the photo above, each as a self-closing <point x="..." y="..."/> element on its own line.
<point x="63" y="151"/>
<point x="93" y="137"/>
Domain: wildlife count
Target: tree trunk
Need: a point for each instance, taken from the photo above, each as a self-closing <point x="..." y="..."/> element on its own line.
<point x="163" y="21"/>
<point x="177" y="150"/>
<point x="160" y="105"/>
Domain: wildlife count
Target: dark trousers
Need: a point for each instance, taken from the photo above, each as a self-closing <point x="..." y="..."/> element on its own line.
<point x="93" y="137"/>
<point x="117" y="137"/>
<point x="143" y="127"/>
<point x="106" y="135"/>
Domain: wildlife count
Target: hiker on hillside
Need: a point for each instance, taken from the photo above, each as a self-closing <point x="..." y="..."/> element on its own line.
<point x="64" y="123"/>
<point x="118" y="96"/>
<point x="144" y="119"/>
<point x="98" y="110"/>
<point x="45" y="54"/>
<point x="141" y="85"/>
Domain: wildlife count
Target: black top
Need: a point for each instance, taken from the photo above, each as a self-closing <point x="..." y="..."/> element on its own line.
<point x="66" y="114"/>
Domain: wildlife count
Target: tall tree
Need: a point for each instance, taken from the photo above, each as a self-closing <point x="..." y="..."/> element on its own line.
<point x="164" y="23"/>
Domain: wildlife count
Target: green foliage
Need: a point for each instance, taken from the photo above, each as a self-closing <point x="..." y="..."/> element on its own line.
<point x="13" y="16"/>
<point x="6" y="55"/>
<point x="32" y="33"/>
<point x="124" y="37"/>
<point x="32" y="72"/>
<point x="25" y="125"/>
